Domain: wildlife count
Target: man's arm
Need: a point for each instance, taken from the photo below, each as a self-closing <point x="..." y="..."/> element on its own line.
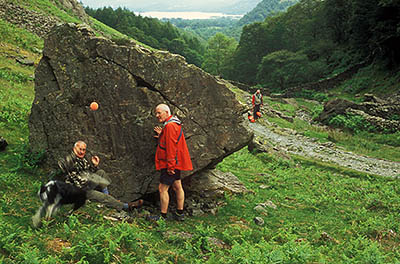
<point x="171" y="136"/>
<point x="95" y="161"/>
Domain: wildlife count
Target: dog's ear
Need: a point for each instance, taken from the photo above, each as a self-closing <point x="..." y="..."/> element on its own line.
<point x="43" y="188"/>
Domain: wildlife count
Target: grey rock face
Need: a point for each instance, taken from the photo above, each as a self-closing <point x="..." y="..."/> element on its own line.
<point x="381" y="114"/>
<point x="127" y="82"/>
<point x="214" y="183"/>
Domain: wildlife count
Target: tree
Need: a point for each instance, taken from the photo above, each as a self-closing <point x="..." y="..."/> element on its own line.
<point x="337" y="15"/>
<point x="152" y="32"/>
<point x="249" y="53"/>
<point x="375" y="30"/>
<point x="218" y="55"/>
<point x="282" y="69"/>
<point x="177" y="46"/>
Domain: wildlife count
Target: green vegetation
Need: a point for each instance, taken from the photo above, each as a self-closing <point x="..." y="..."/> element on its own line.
<point x="332" y="35"/>
<point x="219" y="48"/>
<point x="11" y="34"/>
<point x="152" y="32"/>
<point x="50" y="8"/>
<point x="264" y="9"/>
<point x="207" y="28"/>
<point x="323" y="215"/>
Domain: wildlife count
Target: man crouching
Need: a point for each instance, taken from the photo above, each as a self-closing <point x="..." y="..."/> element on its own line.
<point x="84" y="174"/>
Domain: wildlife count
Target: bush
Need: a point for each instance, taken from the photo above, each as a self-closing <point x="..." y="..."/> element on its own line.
<point x="312" y="95"/>
<point x="355" y="123"/>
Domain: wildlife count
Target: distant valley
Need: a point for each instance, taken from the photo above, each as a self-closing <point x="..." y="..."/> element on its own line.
<point x="231" y="7"/>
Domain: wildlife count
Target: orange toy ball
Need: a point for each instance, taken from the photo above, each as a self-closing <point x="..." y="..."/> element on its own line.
<point x="94" y="106"/>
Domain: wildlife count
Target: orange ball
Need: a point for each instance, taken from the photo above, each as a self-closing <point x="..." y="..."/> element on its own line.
<point x="94" y="106"/>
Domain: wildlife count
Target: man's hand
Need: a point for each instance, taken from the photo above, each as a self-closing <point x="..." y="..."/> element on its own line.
<point x="158" y="130"/>
<point x="170" y="172"/>
<point x="95" y="160"/>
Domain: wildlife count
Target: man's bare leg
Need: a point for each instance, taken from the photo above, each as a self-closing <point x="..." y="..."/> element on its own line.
<point x="164" y="197"/>
<point x="180" y="194"/>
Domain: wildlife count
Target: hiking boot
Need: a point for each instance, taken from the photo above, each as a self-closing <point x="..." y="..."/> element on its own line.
<point x="178" y="217"/>
<point x="135" y="204"/>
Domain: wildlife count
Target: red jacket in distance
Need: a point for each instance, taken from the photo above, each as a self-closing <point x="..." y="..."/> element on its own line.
<point x="172" y="152"/>
<point x="257" y="99"/>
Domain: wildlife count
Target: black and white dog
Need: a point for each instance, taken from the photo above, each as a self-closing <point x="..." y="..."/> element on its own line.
<point x="55" y="194"/>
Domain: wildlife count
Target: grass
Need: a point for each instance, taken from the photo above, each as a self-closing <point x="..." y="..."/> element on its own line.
<point x="48" y="8"/>
<point x="322" y="216"/>
<point x="18" y="37"/>
<point x="371" y="79"/>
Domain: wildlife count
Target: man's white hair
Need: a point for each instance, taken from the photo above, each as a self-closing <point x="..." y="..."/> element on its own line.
<point x="164" y="107"/>
<point x="79" y="142"/>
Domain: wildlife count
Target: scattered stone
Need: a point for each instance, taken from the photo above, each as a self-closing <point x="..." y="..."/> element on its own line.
<point x="270" y="204"/>
<point x="25" y="62"/>
<point x="326" y="237"/>
<point x="197" y="212"/>
<point x="110" y="218"/>
<point x="119" y="216"/>
<point x="259" y="221"/>
<point x="261" y="209"/>
<point x="214" y="211"/>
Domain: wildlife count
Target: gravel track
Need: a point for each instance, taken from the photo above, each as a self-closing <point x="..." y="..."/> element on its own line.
<point x="294" y="143"/>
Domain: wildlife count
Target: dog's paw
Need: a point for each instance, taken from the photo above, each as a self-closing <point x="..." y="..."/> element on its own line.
<point x="36" y="221"/>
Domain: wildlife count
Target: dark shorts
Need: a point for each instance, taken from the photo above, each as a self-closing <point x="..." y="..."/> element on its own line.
<point x="167" y="179"/>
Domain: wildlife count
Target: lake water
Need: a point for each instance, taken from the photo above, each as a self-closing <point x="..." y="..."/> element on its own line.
<point x="187" y="15"/>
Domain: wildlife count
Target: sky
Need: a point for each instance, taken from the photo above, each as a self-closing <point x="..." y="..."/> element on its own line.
<point x="162" y="5"/>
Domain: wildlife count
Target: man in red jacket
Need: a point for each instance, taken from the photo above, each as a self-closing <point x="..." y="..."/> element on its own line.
<point x="257" y="102"/>
<point x="172" y="157"/>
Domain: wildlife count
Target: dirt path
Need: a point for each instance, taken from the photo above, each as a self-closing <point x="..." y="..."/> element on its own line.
<point x="294" y="143"/>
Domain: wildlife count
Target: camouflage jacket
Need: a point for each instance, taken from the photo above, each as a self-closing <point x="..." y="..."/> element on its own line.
<point x="73" y="168"/>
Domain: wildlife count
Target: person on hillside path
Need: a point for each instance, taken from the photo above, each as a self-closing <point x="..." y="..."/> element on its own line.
<point x="172" y="157"/>
<point x="257" y="102"/>
<point x="82" y="173"/>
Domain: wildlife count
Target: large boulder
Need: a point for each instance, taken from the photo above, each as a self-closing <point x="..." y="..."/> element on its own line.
<point x="128" y="81"/>
<point x="383" y="115"/>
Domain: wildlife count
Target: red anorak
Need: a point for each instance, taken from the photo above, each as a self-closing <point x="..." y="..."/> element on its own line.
<point x="257" y="101"/>
<point x="172" y="152"/>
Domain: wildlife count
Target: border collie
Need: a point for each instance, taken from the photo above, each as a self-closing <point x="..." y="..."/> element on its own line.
<point x="55" y="194"/>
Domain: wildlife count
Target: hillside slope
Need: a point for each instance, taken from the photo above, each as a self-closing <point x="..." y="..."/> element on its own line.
<point x="265" y="8"/>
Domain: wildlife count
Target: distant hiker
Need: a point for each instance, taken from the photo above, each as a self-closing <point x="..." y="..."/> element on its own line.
<point x="82" y="173"/>
<point x="257" y="102"/>
<point x="172" y="157"/>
